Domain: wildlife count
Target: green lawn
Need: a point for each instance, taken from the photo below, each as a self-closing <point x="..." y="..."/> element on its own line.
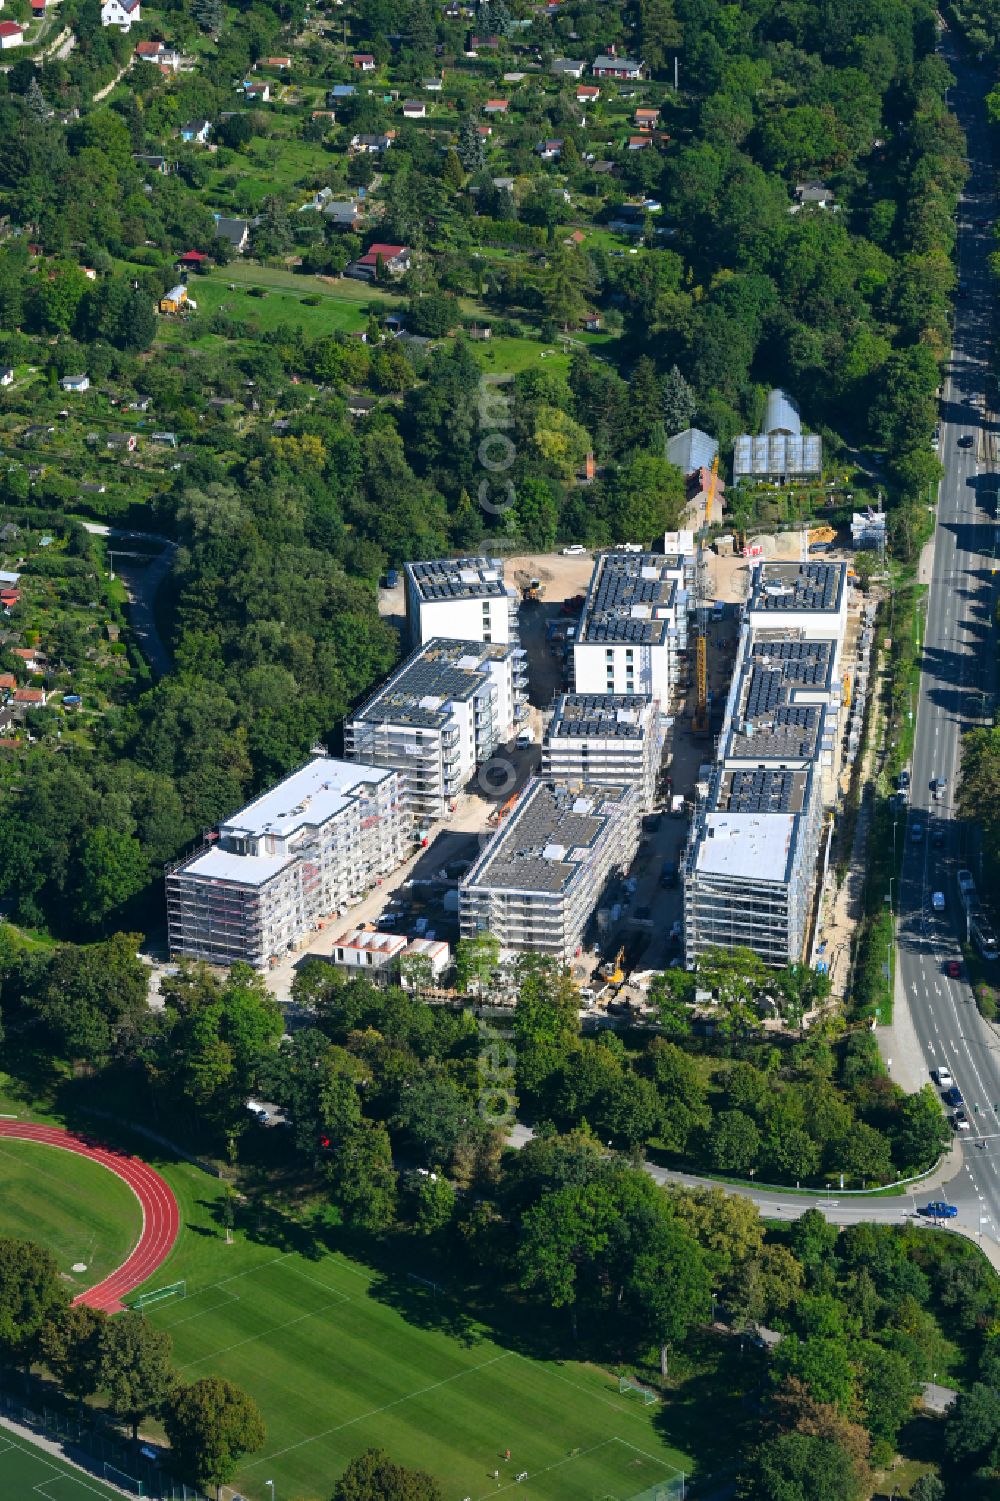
<point x="341" y="1357"/>
<point x="343" y="304"/>
<point x="29" y="1471"/>
<point x="76" y="1208"/>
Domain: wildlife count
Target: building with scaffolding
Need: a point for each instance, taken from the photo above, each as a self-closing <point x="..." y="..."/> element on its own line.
<point x="633" y="629"/>
<point x="749" y="870"/>
<point x="439" y="716"/>
<point x="540" y="878"/>
<point x="293" y="857"/>
<point x="463" y="599"/>
<point x="604" y="738"/>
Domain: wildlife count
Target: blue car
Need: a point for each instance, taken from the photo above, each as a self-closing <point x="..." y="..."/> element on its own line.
<point x="939" y="1210"/>
<point x="953" y="1097"/>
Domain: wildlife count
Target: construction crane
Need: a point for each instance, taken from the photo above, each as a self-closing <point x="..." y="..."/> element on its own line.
<point x="847" y="690"/>
<point x="700" y="720"/>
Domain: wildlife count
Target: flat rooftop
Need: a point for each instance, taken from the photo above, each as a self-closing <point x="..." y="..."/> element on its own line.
<point x="546" y="840"/>
<point x="437" y="674"/>
<point x="801" y="664"/>
<point x="813" y="587"/>
<point x="748" y="846"/>
<point x="756" y="791"/>
<point x="630" y="599"/>
<point x="458" y="578"/>
<point x="243" y="870"/>
<point x="788" y="732"/>
<point x="307" y="798"/>
<point x="600" y="716"/>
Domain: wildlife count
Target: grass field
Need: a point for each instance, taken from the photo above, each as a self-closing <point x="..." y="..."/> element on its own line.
<point x="78" y="1209"/>
<point x="29" y="1471"/>
<point x="341" y="1357"/>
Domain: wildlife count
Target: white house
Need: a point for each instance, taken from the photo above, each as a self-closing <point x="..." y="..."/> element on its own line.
<point x="11" y="35"/>
<point x="196" y="130"/>
<point x="75" y="383"/>
<point x="121" y="13"/>
<point x="6" y="375"/>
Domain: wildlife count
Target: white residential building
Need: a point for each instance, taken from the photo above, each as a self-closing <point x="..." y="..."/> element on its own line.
<point x="634" y="626"/>
<point x="300" y="853"/>
<point x="439" y="716"/>
<point x="364" y="952"/>
<point x="749" y="872"/>
<point x="540" y="878"/>
<point x="604" y="738"/>
<point x="810" y="598"/>
<point x="121" y="13"/>
<point x="465" y="599"/>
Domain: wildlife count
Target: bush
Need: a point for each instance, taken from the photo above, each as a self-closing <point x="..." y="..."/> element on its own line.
<point x="986" y="1000"/>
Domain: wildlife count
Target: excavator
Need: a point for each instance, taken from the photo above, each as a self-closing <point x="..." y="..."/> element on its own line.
<point x="613" y="970"/>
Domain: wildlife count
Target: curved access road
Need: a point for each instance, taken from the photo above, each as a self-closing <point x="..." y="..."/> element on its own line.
<point x="160" y="1215"/>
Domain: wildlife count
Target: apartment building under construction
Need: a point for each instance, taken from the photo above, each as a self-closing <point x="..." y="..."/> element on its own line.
<point x="539" y="879"/>
<point x="298" y="854"/>
<point x="750" y="869"/>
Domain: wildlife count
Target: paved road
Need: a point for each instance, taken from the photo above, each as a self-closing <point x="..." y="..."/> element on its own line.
<point x="957" y="665"/>
<point x="142" y="583"/>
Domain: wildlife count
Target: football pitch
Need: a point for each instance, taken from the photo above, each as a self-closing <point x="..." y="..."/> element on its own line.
<point x="337" y="1369"/>
<point x="26" y="1471"/>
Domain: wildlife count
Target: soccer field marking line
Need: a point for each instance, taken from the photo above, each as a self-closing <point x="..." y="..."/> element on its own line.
<point x="375" y="1412"/>
<point x="656" y="1460"/>
<point x="67" y="1474"/>
<point x="227" y="1302"/>
<point x="620" y="1407"/>
<point x="317" y="1283"/>
<point x="264" y="1333"/>
<point x="556" y="1464"/>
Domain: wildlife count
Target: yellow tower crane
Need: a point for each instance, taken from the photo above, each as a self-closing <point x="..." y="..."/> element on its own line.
<point x="700" y="721"/>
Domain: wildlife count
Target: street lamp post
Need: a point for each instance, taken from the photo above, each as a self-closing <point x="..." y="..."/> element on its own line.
<point x="270" y="1486"/>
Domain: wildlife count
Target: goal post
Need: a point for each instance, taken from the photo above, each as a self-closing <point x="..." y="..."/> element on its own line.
<point x="626" y="1385"/>
<point x="123" y="1481"/>
<point x="433" y="1287"/>
<point x="159" y="1295"/>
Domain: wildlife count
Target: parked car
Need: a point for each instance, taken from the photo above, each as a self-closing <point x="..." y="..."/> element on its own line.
<point x="575" y="550"/>
<point x="954" y="1097"/>
<point x="954" y="970"/>
<point x="965" y="441"/>
<point x="525" y="738"/>
<point x="960" y="1121"/>
<point x="937" y="839"/>
<point x="942" y="1077"/>
<point x="917" y="833"/>
<point x="937" y="901"/>
<point x="904" y="780"/>
<point x="392" y="578"/>
<point x="937" y="1209"/>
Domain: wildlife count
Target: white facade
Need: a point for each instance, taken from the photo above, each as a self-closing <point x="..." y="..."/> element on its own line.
<point x="121" y="13"/>
<point x="301" y="852"/>
<point x="810" y="598"/>
<point x="364" y="952"/>
<point x="463" y="599"/>
<point x="633" y="628"/>
<point x="439" y="716"/>
<point x="604" y="739"/>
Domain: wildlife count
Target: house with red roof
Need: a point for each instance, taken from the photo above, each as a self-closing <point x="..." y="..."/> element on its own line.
<point x="364" y="62"/>
<point x="11" y="35"/>
<point x="394" y="260"/>
<point x="192" y="260"/>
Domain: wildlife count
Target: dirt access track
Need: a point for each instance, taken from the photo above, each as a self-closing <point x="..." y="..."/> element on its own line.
<point x="160" y="1216"/>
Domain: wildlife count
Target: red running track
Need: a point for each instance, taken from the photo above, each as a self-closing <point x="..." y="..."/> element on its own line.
<point x="160" y="1217"/>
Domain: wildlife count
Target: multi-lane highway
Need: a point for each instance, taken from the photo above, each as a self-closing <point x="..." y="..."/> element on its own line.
<point x="956" y="689"/>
